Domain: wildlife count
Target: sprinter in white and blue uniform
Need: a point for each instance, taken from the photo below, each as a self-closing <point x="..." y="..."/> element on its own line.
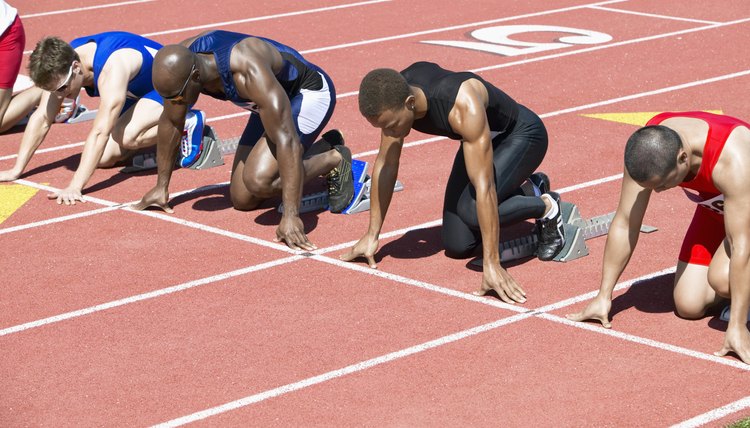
<point x="114" y="66"/>
<point x="290" y="100"/>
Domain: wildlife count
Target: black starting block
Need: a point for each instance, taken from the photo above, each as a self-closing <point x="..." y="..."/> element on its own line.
<point x="360" y="201"/>
<point x="577" y="231"/>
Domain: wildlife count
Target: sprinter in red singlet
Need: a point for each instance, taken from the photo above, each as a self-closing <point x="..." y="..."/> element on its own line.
<point x="708" y="156"/>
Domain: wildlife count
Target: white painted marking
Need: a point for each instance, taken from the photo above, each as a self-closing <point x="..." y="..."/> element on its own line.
<point x="419" y="284"/>
<point x="334" y="374"/>
<point x="146" y="296"/>
<point x="386" y="235"/>
<point x="504" y="39"/>
<point x="610" y="45"/>
<point x="265" y="18"/>
<point x="456" y="27"/>
<point x="648" y="342"/>
<point x="58" y="219"/>
<point x="214" y="230"/>
<point x="53" y="189"/>
<point x="653" y="15"/>
<point x="81" y="9"/>
<point x="715" y="414"/>
<point x="49" y="149"/>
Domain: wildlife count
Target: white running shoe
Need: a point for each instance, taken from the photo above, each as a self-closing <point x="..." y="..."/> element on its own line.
<point x="191" y="143"/>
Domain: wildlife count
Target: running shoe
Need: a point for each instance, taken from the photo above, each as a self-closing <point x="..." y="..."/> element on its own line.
<point x="340" y="184"/>
<point x="191" y="143"/>
<point x="550" y="232"/>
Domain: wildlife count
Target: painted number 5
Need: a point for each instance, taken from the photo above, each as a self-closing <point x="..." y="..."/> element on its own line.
<point x="498" y="40"/>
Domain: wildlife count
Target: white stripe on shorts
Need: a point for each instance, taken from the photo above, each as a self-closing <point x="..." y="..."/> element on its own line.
<point x="313" y="108"/>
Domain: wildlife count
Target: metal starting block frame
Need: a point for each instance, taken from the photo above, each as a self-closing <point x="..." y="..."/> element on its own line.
<point x="82" y="114"/>
<point x="211" y="155"/>
<point x="577" y="231"/>
<point x="360" y="201"/>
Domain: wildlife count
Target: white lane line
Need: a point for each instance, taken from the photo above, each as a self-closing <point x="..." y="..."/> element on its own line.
<point x="621" y="286"/>
<point x="591" y="183"/>
<point x="354" y="368"/>
<point x="648" y="342"/>
<point x="715" y="414"/>
<point x="215" y="230"/>
<point x="146" y="296"/>
<point x="653" y="15"/>
<point x="58" y="219"/>
<point x="456" y="27"/>
<point x="334" y="374"/>
<point x="265" y="18"/>
<point x="53" y="189"/>
<point x="81" y="9"/>
<point x="420" y="284"/>
<point x="46" y="150"/>
<point x="386" y="235"/>
<point x="648" y="93"/>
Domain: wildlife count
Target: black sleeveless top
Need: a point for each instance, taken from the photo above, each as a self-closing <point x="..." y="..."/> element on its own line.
<point x="441" y="86"/>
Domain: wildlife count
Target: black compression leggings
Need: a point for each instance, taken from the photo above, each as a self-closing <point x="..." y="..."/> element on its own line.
<point x="515" y="157"/>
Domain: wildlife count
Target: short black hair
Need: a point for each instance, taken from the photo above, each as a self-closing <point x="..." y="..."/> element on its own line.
<point x="382" y="89"/>
<point x="652" y="152"/>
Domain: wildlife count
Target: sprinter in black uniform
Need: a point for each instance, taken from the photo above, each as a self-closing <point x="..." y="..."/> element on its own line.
<point x="502" y="144"/>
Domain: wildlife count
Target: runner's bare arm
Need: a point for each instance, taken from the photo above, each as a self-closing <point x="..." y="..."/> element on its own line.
<point x="384" y="175"/>
<point x="468" y="118"/>
<point x="113" y="86"/>
<point x="731" y="175"/>
<point x="621" y="242"/>
<point x="36" y="130"/>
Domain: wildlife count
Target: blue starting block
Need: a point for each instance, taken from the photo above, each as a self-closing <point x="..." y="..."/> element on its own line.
<point x="360" y="201"/>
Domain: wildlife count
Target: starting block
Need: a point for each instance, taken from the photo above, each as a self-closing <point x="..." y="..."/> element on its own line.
<point x="360" y="201"/>
<point x="211" y="155"/>
<point x="577" y="231"/>
<point x="82" y="114"/>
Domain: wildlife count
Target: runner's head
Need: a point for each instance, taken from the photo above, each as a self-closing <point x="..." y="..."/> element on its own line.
<point x="55" y="66"/>
<point x="386" y="101"/>
<point x="175" y="74"/>
<point x="655" y="158"/>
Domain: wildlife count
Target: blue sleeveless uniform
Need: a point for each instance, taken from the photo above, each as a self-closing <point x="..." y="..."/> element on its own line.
<point x="109" y="42"/>
<point x="296" y="74"/>
<point x="297" y="77"/>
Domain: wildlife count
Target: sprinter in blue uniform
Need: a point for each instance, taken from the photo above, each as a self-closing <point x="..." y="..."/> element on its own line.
<point x="290" y="101"/>
<point x="114" y="66"/>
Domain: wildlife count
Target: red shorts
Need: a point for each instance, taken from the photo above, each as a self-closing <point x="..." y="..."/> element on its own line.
<point x="12" y="42"/>
<point x="703" y="237"/>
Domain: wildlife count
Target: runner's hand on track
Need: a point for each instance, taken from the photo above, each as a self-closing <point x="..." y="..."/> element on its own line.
<point x="366" y="247"/>
<point x="66" y="196"/>
<point x="156" y="197"/>
<point x="597" y="309"/>
<point x="291" y="231"/>
<point x="9" y="175"/>
<point x="498" y="279"/>
<point x="737" y="340"/>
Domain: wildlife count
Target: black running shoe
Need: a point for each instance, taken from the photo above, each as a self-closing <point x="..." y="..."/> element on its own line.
<point x="551" y="233"/>
<point x="541" y="181"/>
<point x="340" y="184"/>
